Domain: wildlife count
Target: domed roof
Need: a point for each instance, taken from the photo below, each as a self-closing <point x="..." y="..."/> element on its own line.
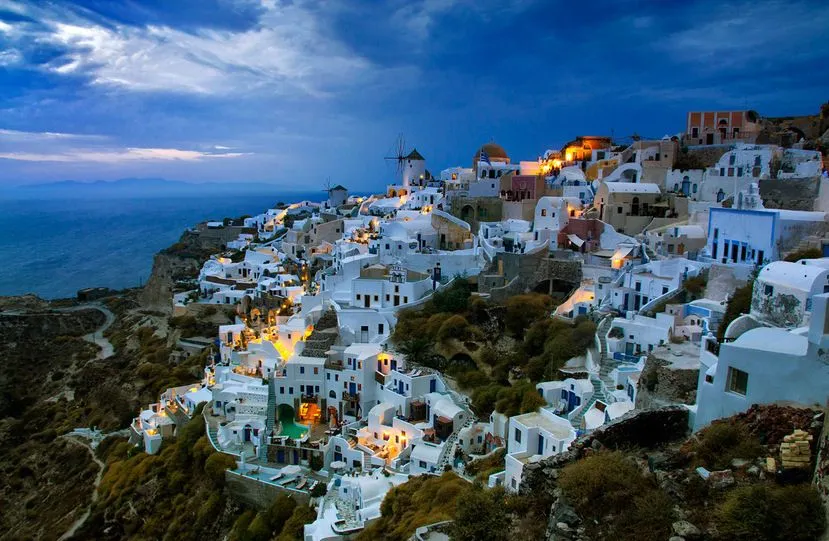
<point x="494" y="151"/>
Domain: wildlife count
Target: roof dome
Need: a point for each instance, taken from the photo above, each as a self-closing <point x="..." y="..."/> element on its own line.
<point x="495" y="152"/>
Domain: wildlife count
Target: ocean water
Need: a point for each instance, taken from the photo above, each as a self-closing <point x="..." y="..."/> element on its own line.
<point x="55" y="247"/>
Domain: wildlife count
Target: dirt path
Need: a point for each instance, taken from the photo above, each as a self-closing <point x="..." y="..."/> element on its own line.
<point x="97" y="337"/>
<point x="82" y="519"/>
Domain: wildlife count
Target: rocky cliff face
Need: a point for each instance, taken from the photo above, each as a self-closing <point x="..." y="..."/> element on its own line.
<point x="181" y="261"/>
<point x="662" y="384"/>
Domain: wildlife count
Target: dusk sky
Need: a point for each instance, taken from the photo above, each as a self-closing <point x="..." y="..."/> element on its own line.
<point x="294" y="92"/>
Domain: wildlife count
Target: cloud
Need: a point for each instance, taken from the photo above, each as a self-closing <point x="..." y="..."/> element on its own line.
<point x="14" y="135"/>
<point x="119" y="156"/>
<point x="287" y="51"/>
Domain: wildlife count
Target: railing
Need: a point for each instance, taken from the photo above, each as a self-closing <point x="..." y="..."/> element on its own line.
<point x="624" y="357"/>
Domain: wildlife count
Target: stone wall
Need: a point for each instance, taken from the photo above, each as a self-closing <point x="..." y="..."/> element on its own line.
<point x="662" y="384"/>
<point x="523" y="272"/>
<point x="250" y="492"/>
<point x="643" y="429"/>
<point x="790" y="193"/>
<point x="821" y="479"/>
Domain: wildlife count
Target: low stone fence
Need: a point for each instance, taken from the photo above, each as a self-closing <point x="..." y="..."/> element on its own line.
<point x="644" y="429"/>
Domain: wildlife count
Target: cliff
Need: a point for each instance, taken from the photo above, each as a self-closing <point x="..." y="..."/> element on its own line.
<point x="181" y="261"/>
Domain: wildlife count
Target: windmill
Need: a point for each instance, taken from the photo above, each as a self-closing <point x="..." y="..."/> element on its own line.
<point x="398" y="154"/>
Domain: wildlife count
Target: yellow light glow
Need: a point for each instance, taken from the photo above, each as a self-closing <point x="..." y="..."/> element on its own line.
<point x="568" y="156"/>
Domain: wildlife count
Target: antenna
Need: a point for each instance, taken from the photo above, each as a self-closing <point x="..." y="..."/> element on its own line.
<point x="398" y="153"/>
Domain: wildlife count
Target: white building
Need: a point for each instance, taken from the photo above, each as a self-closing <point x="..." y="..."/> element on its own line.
<point x="765" y="365"/>
<point x="532" y="437"/>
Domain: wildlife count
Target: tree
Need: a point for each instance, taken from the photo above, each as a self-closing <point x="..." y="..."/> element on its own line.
<point x="523" y="310"/>
<point x="480" y="515"/>
<point x="738" y="304"/>
<point x="215" y="466"/>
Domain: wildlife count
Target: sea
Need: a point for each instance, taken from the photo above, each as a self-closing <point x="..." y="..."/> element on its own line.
<point x="54" y="247"/>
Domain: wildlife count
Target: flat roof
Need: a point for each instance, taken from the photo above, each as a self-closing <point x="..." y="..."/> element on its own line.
<point x="538" y="419"/>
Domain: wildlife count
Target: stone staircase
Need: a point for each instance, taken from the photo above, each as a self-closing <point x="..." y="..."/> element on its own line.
<point x="323" y="336"/>
<point x="269" y="423"/>
<point x="599" y="395"/>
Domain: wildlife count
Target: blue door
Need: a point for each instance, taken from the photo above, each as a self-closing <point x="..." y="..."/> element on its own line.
<point x="540" y="444"/>
<point x="352" y="388"/>
<point x="338" y="456"/>
<point x="394" y="364"/>
<point x="400" y="387"/>
<point x="433" y="385"/>
<point x="280" y="456"/>
<point x="573" y="400"/>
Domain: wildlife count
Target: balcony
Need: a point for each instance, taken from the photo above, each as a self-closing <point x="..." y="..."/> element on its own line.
<point x="334" y="365"/>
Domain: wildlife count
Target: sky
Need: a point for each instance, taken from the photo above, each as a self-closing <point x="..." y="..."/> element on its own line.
<point x="296" y="92"/>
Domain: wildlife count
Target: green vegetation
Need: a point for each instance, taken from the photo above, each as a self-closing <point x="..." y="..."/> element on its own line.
<point x="766" y="512"/>
<point x="480" y="514"/>
<point x="609" y="484"/>
<point x="722" y="442"/>
<point x="189" y="325"/>
<point x="695" y="285"/>
<point x="420" y="501"/>
<point x="738" y="304"/>
<point x="494" y="352"/>
<point x="484" y="467"/>
<point x="806" y="253"/>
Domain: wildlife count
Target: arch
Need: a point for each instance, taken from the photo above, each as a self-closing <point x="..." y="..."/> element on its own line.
<point x="467" y="212"/>
<point x="285" y="412"/>
<point x="720" y="195"/>
<point x="332" y="394"/>
<point x="392" y="193"/>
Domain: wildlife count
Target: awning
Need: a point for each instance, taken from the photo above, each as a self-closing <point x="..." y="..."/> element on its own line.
<point x="622" y="251"/>
<point x="575" y="240"/>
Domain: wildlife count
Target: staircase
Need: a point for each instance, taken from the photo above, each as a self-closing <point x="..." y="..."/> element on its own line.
<point x="269" y="423"/>
<point x="598" y="395"/>
<point x="323" y="336"/>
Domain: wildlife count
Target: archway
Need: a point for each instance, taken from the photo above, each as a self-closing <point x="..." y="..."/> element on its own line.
<point x="284" y="412"/>
<point x="467" y="212"/>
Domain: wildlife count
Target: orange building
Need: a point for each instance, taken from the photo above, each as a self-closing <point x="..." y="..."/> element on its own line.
<point x="722" y="127"/>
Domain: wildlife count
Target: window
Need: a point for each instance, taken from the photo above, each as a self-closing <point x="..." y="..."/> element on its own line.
<point x="709" y="378"/>
<point x="405" y="300"/>
<point x="379" y="328"/>
<point x="638" y="286"/>
<point x="730" y="171"/>
<point x="732" y="159"/>
<point x="282" y="390"/>
<point x="544" y="212"/>
<point x="664" y="289"/>
<point x="619" y="210"/>
<point x="328" y="376"/>
<point x="376" y="298"/>
<point x="768" y="290"/>
<point x="422" y="464"/>
<point x="722" y="171"/>
<point x="517" y="436"/>
<point x="290" y="390"/>
<point x="737" y="381"/>
<point x="301" y="369"/>
<point x="739" y="171"/>
<point x="695" y="132"/>
<point x="316" y="370"/>
<point x="302" y="388"/>
<point x="358" y="296"/>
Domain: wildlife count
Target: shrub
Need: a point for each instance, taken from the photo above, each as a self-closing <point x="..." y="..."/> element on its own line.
<point x="293" y="527"/>
<point x="215" y="466"/>
<point x="806" y="253"/>
<point x="320" y="490"/>
<point x="770" y="513"/>
<point x="454" y="327"/>
<point x="601" y="484"/>
<point x="480" y="514"/>
<point x="739" y="303"/>
<point x="722" y="442"/>
<point x="523" y="310"/>
<point x="648" y="518"/>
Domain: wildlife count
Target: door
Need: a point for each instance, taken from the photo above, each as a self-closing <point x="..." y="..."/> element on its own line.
<point x="628" y="348"/>
<point x="709" y="138"/>
<point x="572" y="401"/>
<point x="540" y="444"/>
<point x="394" y="364"/>
<point x="432" y="385"/>
<point x="338" y="457"/>
<point x="280" y="456"/>
<point x="400" y="387"/>
<point x="352" y="388"/>
<point x="366" y="301"/>
<point x="364" y="334"/>
<point x="760" y="257"/>
<point x="396" y="300"/>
